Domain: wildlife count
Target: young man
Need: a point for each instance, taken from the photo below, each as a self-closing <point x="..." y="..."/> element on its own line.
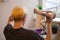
<point x="49" y="16"/>
<point x="17" y="32"/>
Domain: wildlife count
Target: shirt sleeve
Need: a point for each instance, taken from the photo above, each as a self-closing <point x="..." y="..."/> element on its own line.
<point x="6" y="28"/>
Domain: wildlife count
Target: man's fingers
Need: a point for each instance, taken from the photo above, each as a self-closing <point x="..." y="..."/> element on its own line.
<point x="11" y="18"/>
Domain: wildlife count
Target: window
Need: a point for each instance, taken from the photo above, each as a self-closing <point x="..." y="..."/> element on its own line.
<point x="52" y="5"/>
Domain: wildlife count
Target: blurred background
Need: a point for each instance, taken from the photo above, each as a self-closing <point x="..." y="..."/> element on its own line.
<point x="6" y="7"/>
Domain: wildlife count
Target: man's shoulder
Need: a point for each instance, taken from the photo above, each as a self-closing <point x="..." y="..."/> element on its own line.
<point x="7" y="27"/>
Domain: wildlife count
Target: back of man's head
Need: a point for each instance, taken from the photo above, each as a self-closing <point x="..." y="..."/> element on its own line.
<point x="18" y="13"/>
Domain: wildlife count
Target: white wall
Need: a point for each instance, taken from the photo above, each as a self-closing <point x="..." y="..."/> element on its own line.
<point x="6" y="8"/>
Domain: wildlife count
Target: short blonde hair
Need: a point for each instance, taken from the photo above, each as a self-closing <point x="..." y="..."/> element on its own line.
<point x="18" y="13"/>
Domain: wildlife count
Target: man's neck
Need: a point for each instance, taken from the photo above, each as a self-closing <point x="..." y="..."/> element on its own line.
<point x="18" y="25"/>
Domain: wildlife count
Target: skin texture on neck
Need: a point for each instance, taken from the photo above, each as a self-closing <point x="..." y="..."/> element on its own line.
<point x="18" y="24"/>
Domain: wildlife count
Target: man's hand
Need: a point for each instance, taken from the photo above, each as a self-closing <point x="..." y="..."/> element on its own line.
<point x="10" y="20"/>
<point x="47" y="14"/>
<point x="37" y="11"/>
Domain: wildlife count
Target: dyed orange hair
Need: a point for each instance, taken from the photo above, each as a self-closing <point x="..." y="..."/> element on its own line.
<point x="18" y="13"/>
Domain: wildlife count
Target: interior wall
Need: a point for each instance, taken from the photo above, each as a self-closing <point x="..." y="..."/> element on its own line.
<point x="6" y="8"/>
